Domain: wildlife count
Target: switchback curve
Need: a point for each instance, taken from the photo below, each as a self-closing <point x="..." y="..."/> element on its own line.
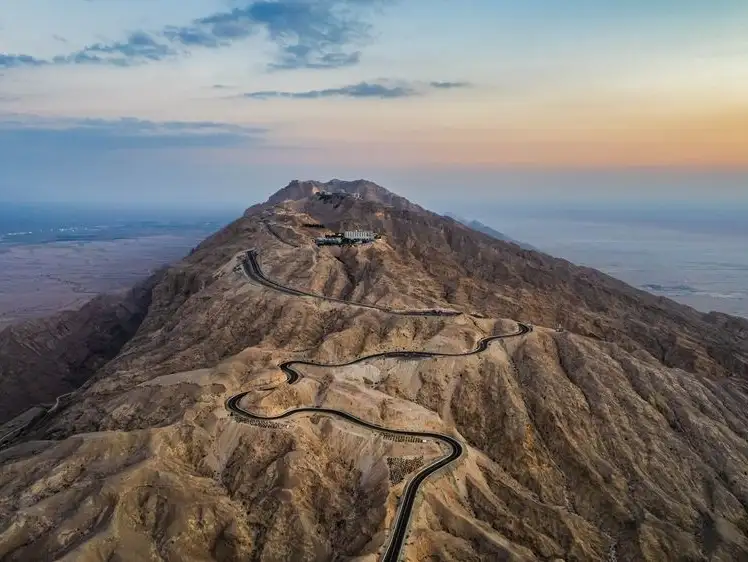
<point x="253" y="271"/>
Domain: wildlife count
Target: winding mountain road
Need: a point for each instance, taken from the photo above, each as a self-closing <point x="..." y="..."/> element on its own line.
<point x="274" y="234"/>
<point x="252" y="270"/>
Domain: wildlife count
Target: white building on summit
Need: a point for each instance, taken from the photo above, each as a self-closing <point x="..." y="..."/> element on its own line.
<point x="347" y="238"/>
<point x="360" y="235"/>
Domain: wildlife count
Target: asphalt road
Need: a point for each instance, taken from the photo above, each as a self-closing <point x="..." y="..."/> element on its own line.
<point x="254" y="272"/>
<point x="11" y="436"/>
<point x="275" y="234"/>
<point x="405" y="508"/>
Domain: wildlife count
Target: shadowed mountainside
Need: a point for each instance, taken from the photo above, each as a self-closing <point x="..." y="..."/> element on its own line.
<point x="624" y="437"/>
<point x="41" y="359"/>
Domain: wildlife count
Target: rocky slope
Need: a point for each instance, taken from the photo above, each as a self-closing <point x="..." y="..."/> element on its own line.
<point x="41" y="359"/>
<point x="624" y="437"/>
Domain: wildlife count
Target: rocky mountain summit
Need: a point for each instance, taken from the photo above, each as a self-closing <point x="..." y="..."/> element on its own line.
<point x="615" y="429"/>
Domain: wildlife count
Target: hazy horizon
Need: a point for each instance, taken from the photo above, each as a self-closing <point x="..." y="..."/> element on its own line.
<point x="695" y="258"/>
<point x="558" y="188"/>
<point x="692" y="252"/>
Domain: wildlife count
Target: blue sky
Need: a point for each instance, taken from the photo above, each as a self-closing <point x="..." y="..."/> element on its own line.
<point x="222" y="101"/>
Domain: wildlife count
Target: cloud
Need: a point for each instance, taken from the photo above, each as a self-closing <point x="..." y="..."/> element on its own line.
<point x="383" y="90"/>
<point x="361" y="90"/>
<point x="307" y="33"/>
<point x="192" y="37"/>
<point x="449" y="85"/>
<point x="39" y="134"/>
<point x="138" y="47"/>
<point x="15" y="61"/>
<point x="316" y="34"/>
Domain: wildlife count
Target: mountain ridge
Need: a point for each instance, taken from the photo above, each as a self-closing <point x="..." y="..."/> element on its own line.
<point x="485" y="229"/>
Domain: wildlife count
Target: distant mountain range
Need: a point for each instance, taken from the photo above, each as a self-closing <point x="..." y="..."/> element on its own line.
<point x="493" y="233"/>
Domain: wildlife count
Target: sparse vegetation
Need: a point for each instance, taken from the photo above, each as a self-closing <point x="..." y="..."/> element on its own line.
<point x="401" y="467"/>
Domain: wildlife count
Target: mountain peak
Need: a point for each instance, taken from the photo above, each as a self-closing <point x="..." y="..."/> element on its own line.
<point x="365" y="189"/>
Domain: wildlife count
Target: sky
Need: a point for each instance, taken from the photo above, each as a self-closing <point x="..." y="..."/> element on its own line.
<point x="221" y="102"/>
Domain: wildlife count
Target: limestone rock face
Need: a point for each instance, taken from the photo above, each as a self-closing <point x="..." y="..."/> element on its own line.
<point x="624" y="437"/>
